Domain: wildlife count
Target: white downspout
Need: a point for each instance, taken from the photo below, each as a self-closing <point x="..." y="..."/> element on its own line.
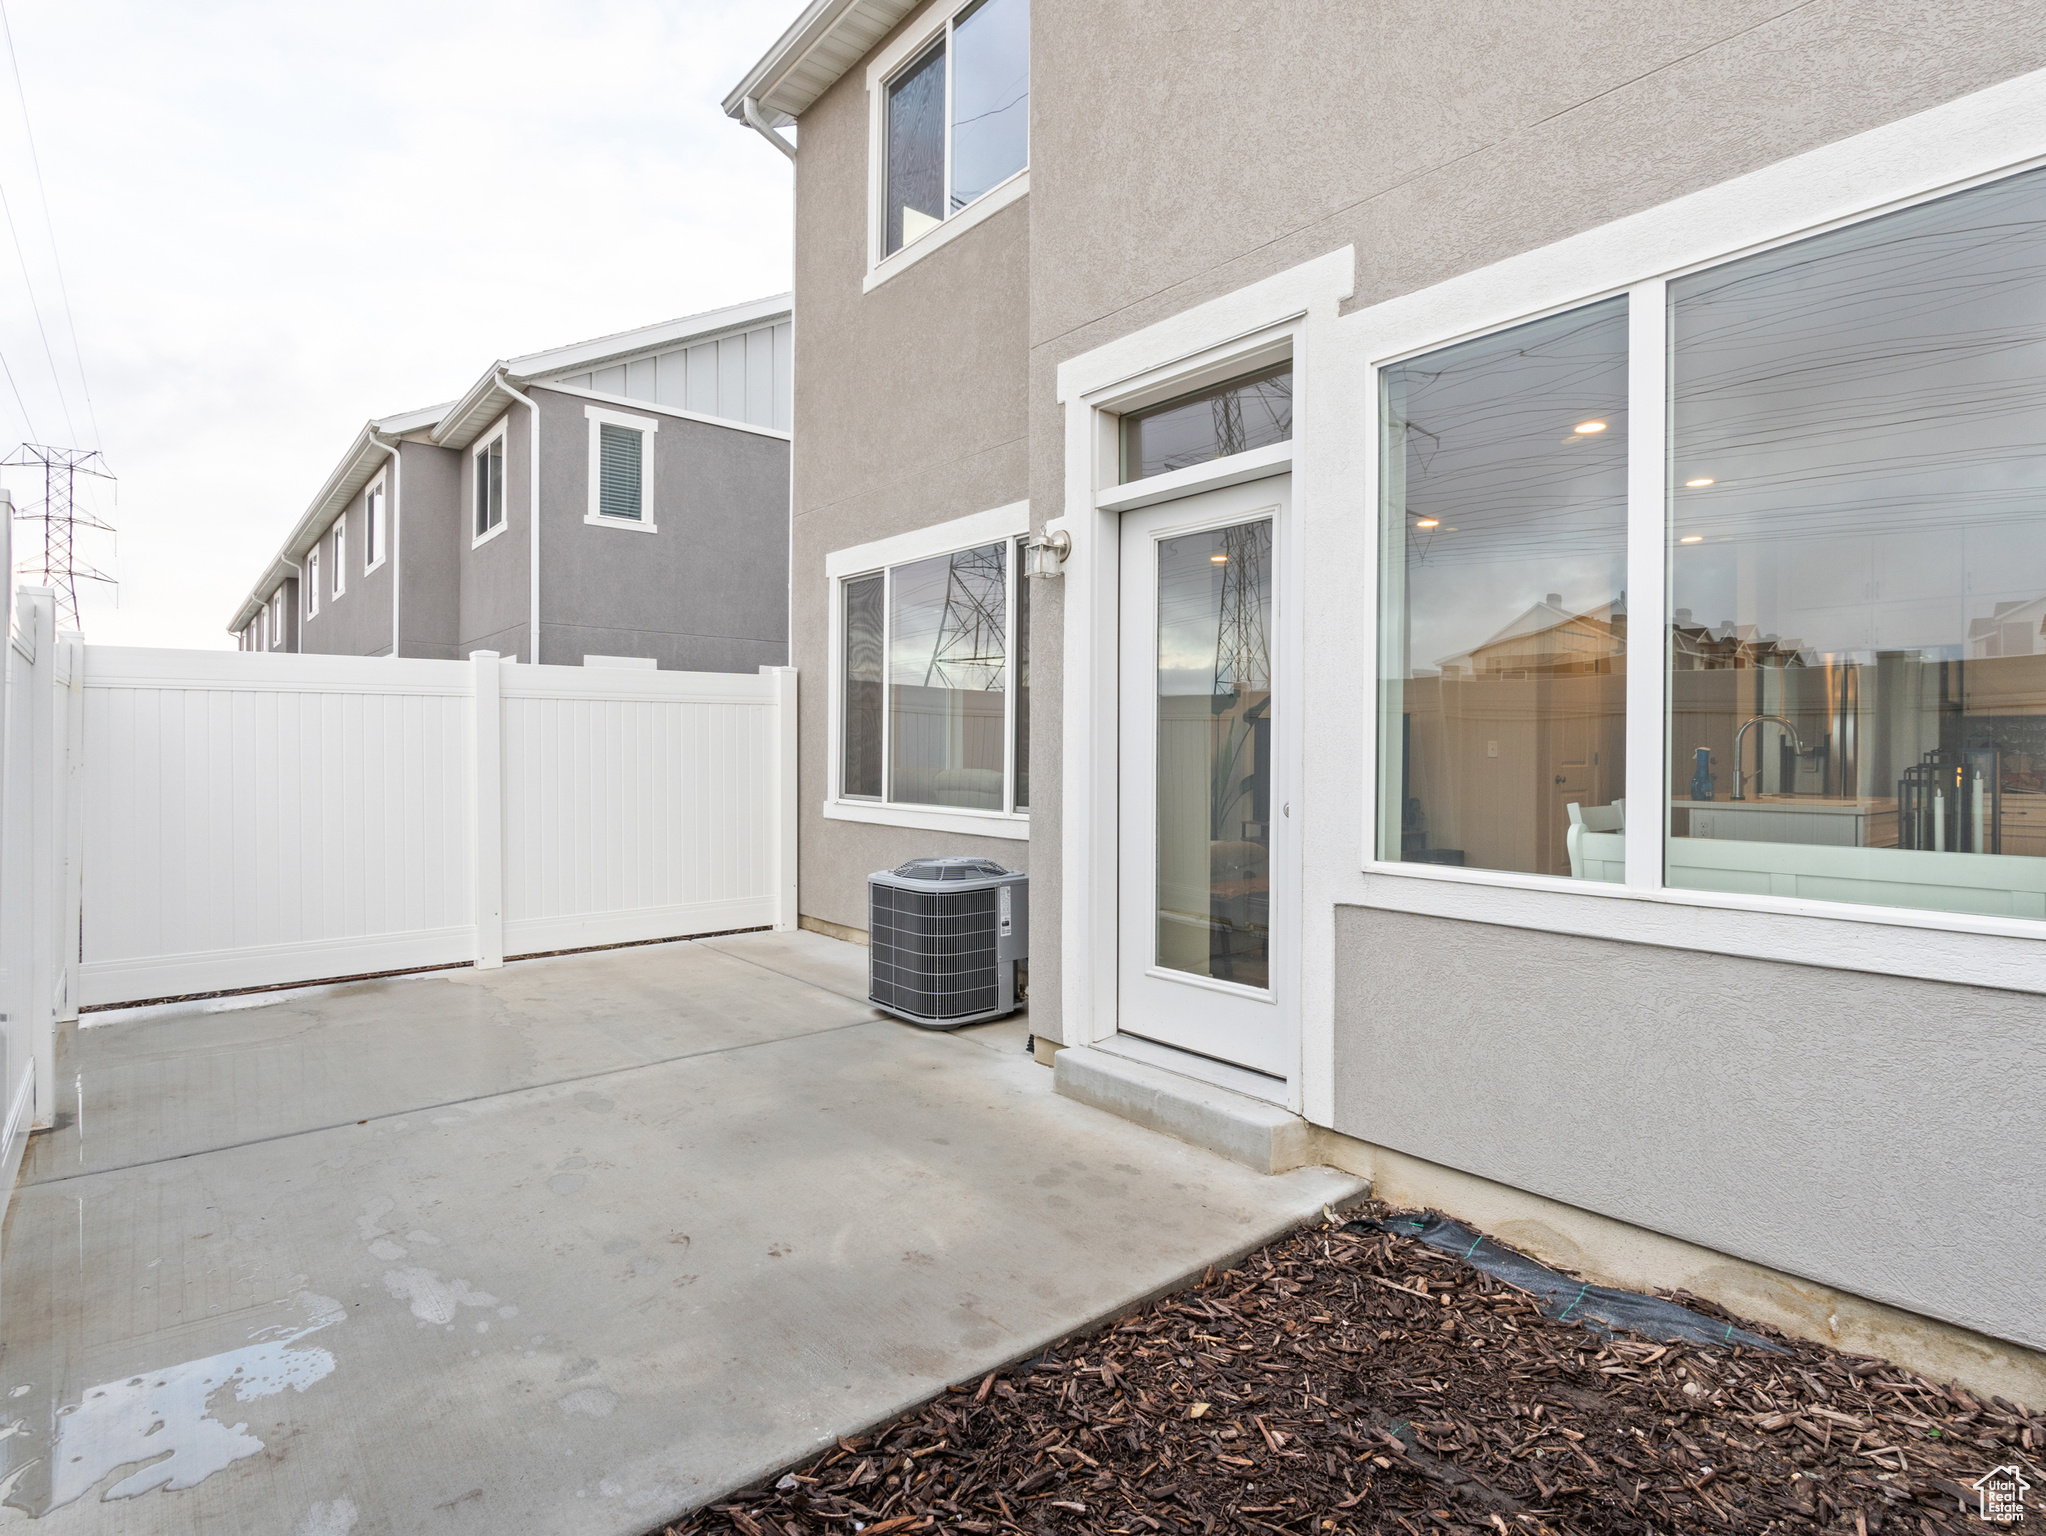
<point x="397" y="503"/>
<point x="532" y="506"/>
<point x="759" y="125"/>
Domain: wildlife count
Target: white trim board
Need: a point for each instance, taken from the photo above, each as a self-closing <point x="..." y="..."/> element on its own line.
<point x="1010" y="824"/>
<point x="990" y="527"/>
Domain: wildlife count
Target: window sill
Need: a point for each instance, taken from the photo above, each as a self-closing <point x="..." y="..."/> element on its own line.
<point x="484" y="538"/>
<point x="979" y="211"/>
<point x="371" y="570"/>
<point x="635" y="525"/>
<point x="1015" y="825"/>
<point x="1955" y="947"/>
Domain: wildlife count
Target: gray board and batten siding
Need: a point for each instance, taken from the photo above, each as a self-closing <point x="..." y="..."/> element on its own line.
<point x="746" y="377"/>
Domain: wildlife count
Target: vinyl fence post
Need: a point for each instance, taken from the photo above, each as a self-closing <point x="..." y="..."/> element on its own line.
<point x="39" y="626"/>
<point x="71" y="800"/>
<point x="784" y="851"/>
<point x="488" y="801"/>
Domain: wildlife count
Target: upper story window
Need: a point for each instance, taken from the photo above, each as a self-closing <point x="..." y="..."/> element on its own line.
<point x="340" y="554"/>
<point x="1245" y="413"/>
<point x="621" y="468"/>
<point x="373" y="526"/>
<point x="486" y="463"/>
<point x="312" y="584"/>
<point x="957" y="119"/>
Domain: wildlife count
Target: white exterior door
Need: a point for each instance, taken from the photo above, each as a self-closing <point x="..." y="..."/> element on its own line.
<point x="1208" y="862"/>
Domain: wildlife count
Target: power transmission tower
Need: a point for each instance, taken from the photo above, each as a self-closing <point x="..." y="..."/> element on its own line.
<point x="61" y="518"/>
<point x="1243" y="655"/>
<point x="969" y="654"/>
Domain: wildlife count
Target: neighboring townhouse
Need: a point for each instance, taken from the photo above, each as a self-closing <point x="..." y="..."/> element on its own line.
<point x="661" y="479"/>
<point x="1521" y="492"/>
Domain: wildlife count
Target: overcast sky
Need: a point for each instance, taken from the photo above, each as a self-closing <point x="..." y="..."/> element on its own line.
<point x="277" y="221"/>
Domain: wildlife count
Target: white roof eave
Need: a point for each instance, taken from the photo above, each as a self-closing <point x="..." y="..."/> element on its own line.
<point x="825" y="41"/>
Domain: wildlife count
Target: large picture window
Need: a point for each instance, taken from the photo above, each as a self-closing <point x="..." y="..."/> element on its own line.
<point x="1857" y="652"/>
<point x="958" y="119"/>
<point x="1844" y="684"/>
<point x="931" y="712"/>
<point x="1504" y="605"/>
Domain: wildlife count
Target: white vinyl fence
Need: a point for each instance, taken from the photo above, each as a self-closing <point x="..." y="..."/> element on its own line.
<point x="181" y="822"/>
<point x="251" y="819"/>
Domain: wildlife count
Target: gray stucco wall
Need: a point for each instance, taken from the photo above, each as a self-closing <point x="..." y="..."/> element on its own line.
<point x="358" y="622"/>
<point x="1170" y="165"/>
<point x="910" y="410"/>
<point x="495" y="577"/>
<point x="1873" y="1133"/>
<point x="428" y="554"/>
<point x="708" y="590"/>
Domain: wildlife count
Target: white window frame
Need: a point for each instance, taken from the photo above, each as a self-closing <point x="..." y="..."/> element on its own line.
<point x="375" y="522"/>
<point x="312" y="582"/>
<point x="1000" y="525"/>
<point x="275" y="610"/>
<point x="340" y="536"/>
<point x="1333" y="458"/>
<point x="599" y="417"/>
<point x="499" y="432"/>
<point x="932" y="22"/>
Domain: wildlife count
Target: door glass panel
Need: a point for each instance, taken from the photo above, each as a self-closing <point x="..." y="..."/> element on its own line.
<point x="947" y="674"/>
<point x="1214" y="786"/>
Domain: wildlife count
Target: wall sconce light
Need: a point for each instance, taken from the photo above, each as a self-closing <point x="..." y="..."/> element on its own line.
<point x="1043" y="555"/>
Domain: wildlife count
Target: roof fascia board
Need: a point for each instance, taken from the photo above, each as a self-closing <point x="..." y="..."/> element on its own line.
<point x="855" y="26"/>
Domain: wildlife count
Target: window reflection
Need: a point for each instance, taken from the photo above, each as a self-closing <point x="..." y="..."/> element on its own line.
<point x="947" y="668"/>
<point x="1215" y="753"/>
<point x="1504" y="604"/>
<point x="1858" y="563"/>
<point x="1229" y="418"/>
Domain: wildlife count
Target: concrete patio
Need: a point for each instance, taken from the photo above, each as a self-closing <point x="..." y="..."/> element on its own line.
<point x="569" y="1246"/>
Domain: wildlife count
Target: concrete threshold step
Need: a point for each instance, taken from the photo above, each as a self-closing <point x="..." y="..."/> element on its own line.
<point x="1247" y="1131"/>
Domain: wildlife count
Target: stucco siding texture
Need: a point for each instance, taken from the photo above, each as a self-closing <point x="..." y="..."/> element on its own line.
<point x="358" y="622"/>
<point x="707" y="591"/>
<point x="429" y="523"/>
<point x="495" y="577"/>
<point x="1871" y="1133"/>
<point x="910" y="410"/>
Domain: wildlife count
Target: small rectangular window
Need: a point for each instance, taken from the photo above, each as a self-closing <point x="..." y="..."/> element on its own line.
<point x="619" y="485"/>
<point x="340" y="555"/>
<point x="489" y="466"/>
<point x="958" y="119"/>
<point x="373" y="527"/>
<point x="1503" y="600"/>
<point x="312" y="582"/>
<point x="1235" y="417"/>
<point x="860" y="764"/>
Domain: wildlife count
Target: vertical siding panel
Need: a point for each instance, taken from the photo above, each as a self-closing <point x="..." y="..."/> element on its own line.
<point x="703" y="379"/>
<point x="784" y="377"/>
<point x="760" y="377"/>
<point x="732" y="378"/>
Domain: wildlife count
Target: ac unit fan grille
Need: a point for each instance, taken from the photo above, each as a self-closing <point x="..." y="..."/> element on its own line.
<point x="934" y="952"/>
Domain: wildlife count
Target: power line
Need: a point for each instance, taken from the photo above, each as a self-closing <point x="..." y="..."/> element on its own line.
<point x="20" y="403"/>
<point x="56" y="257"/>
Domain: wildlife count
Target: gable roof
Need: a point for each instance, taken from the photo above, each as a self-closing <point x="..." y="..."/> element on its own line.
<point x="829" y="38"/>
<point x="457" y="423"/>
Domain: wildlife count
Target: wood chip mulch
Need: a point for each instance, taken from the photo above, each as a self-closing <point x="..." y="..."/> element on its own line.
<point x="1341" y="1382"/>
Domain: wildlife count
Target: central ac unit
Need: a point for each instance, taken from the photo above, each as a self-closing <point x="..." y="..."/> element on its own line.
<point x="945" y="937"/>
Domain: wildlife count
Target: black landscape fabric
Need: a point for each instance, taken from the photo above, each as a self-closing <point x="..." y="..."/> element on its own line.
<point x="1597" y="1307"/>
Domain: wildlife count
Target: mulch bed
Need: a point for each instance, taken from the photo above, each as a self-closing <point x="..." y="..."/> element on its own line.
<point x="1344" y="1382"/>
